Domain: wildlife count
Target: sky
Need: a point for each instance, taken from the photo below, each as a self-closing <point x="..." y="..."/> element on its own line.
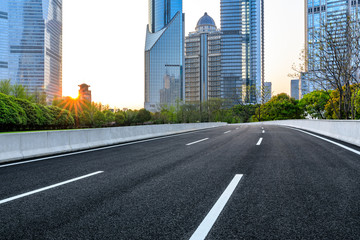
<point x="103" y="45"/>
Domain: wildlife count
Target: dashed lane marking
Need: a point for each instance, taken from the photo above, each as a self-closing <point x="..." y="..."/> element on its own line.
<point x="189" y="144"/>
<point x="47" y="188"/>
<point x="204" y="228"/>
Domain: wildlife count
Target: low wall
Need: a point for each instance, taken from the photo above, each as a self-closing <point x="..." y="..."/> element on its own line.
<point x="346" y="130"/>
<point x="17" y="146"/>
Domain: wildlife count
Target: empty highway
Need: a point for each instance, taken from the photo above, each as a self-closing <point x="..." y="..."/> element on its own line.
<point x="233" y="182"/>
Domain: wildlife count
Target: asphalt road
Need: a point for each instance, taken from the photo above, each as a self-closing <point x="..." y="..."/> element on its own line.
<point x="293" y="186"/>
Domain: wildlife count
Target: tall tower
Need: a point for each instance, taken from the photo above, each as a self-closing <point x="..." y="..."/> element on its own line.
<point x="31" y="44"/>
<point x="164" y="54"/>
<point x="318" y="15"/>
<point x="4" y="40"/>
<point x="241" y="50"/>
<point x="203" y="62"/>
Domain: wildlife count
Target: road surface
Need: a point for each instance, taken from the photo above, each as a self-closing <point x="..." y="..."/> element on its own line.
<point x="233" y="182"/>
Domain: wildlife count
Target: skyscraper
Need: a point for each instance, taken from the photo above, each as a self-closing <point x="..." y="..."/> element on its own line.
<point x="31" y="44"/>
<point x="164" y="54"/>
<point x="332" y="15"/>
<point x="241" y="50"/>
<point x="203" y="62"/>
<point x="295" y="89"/>
<point x="267" y="92"/>
<point x="4" y="40"/>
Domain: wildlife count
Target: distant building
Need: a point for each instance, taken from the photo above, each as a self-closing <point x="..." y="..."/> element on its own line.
<point x="267" y="91"/>
<point x="84" y="92"/>
<point x="203" y="62"/>
<point x="295" y="89"/>
<point x="242" y="52"/>
<point x="31" y="45"/>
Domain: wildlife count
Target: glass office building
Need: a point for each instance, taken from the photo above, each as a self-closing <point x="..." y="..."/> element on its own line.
<point x="4" y="40"/>
<point x="241" y="50"/>
<point x="203" y="62"/>
<point x="164" y="54"/>
<point x="31" y="44"/>
<point x="320" y="13"/>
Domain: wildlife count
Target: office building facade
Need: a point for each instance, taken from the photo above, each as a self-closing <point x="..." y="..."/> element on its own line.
<point x="318" y="14"/>
<point x="31" y="44"/>
<point x="4" y="40"/>
<point x="203" y="62"/>
<point x="295" y="89"/>
<point x="241" y="50"/>
<point x="267" y="91"/>
<point x="164" y="54"/>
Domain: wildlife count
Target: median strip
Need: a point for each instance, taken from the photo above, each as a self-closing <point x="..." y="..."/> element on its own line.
<point x="259" y="142"/>
<point x="47" y="188"/>
<point x="189" y="144"/>
<point x="203" y="230"/>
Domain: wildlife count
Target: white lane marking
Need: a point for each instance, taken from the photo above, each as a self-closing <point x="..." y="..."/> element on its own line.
<point x="197" y="141"/>
<point x="259" y="142"/>
<point x="227" y="132"/>
<point x="97" y="149"/>
<point x="203" y="230"/>
<point x="47" y="188"/>
<point x="327" y="140"/>
<point x="263" y="131"/>
<point x="237" y="128"/>
<point x="262" y="128"/>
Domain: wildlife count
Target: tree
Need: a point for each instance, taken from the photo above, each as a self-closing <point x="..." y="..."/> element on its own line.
<point x="143" y="116"/>
<point x="19" y="91"/>
<point x="245" y="112"/>
<point x="120" y="118"/>
<point x="5" y="87"/>
<point x="335" y="59"/>
<point x="280" y="107"/>
<point x="314" y="103"/>
<point x="39" y="97"/>
<point x="60" y="118"/>
<point x="12" y="116"/>
<point x="109" y="117"/>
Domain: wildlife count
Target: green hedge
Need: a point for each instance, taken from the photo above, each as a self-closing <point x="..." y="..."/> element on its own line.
<point x="20" y="114"/>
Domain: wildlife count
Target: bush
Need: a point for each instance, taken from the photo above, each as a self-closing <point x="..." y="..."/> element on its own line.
<point x="12" y="116"/>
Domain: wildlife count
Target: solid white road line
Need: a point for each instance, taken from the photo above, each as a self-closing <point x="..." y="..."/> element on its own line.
<point x="97" y="149"/>
<point x="259" y="142"/>
<point x="47" y="188"/>
<point x="227" y="132"/>
<point x="197" y="141"/>
<point x="203" y="230"/>
<point x="327" y="140"/>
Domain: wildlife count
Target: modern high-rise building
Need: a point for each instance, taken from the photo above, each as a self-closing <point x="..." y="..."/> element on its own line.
<point x="267" y="92"/>
<point x="203" y="62"/>
<point x="318" y="14"/>
<point x="241" y="50"/>
<point x="31" y="44"/>
<point x="164" y="54"/>
<point x="4" y="40"/>
<point x="295" y="89"/>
